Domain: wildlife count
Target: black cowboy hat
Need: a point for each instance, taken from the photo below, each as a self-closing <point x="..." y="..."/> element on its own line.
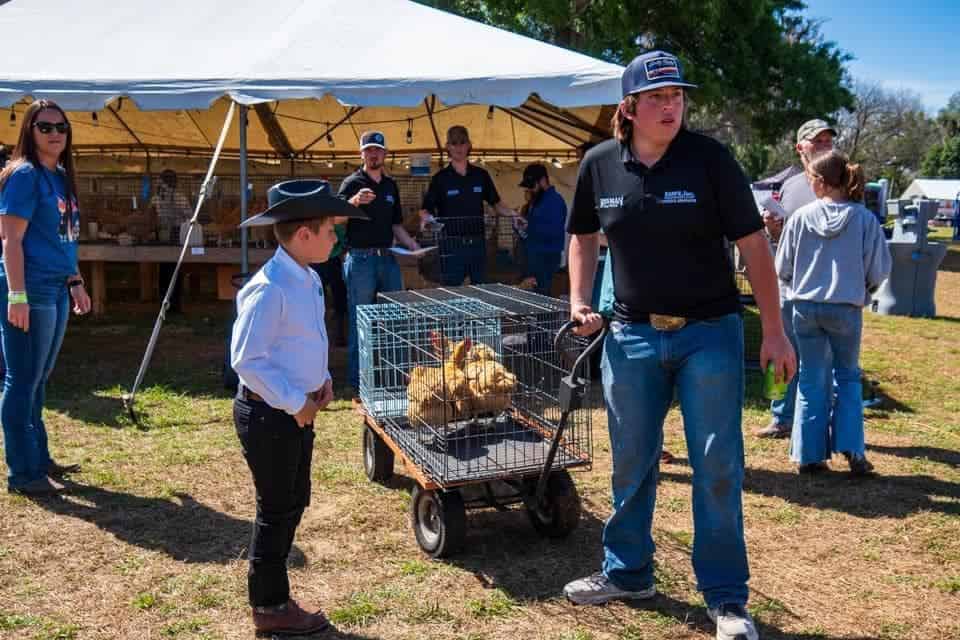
<point x="303" y="199"/>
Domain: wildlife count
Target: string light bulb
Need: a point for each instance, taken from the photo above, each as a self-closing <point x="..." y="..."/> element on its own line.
<point x="490" y="113"/>
<point x="556" y="163"/>
<point x="13" y="117"/>
<point x="409" y="131"/>
<point x="96" y="120"/>
<point x="330" y="142"/>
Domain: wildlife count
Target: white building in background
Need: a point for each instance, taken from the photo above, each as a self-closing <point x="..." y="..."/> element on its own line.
<point x="944" y="191"/>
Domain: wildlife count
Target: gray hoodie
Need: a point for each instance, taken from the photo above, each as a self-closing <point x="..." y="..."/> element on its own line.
<point x="832" y="252"/>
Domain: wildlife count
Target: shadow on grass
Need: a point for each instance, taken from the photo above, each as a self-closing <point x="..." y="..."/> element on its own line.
<point x="695" y="617"/>
<point x="871" y="497"/>
<point x="934" y="454"/>
<point x="185" y="530"/>
<point x="504" y="551"/>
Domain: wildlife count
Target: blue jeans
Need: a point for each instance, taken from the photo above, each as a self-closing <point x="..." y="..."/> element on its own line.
<point x="542" y="265"/>
<point x="782" y="410"/>
<point x="30" y="357"/>
<point x="642" y="368"/>
<point x="829" y="339"/>
<point x="463" y="256"/>
<point x="366" y="275"/>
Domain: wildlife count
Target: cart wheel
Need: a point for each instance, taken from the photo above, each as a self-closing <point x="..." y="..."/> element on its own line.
<point x="559" y="512"/>
<point x="439" y="521"/>
<point x="377" y="457"/>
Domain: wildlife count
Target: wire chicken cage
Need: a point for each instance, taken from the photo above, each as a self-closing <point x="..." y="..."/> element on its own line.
<point x="471" y="387"/>
<point x="464" y="247"/>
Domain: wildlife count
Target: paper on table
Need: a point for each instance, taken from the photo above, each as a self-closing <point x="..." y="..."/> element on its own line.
<point x="765" y="200"/>
<point x="403" y="251"/>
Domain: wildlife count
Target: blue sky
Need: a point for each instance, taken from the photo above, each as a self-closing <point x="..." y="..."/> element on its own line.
<point x="912" y="44"/>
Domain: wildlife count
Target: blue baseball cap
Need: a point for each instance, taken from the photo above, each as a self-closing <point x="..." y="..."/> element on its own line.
<point x="653" y="70"/>
<point x="372" y="139"/>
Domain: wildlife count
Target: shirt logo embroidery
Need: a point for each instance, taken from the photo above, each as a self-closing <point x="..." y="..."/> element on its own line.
<point x="478" y="189"/>
<point x="611" y="202"/>
<point x="678" y="197"/>
<point x="453" y="192"/>
<point x="389" y="199"/>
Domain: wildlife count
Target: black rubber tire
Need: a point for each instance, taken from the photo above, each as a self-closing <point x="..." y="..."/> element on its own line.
<point x="439" y="521"/>
<point x="377" y="457"/>
<point x="559" y="513"/>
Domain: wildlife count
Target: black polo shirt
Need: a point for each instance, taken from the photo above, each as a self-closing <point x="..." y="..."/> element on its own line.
<point x="384" y="211"/>
<point x="666" y="224"/>
<point x="451" y="195"/>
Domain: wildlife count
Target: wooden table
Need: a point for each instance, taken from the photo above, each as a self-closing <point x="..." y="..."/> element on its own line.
<point x="148" y="256"/>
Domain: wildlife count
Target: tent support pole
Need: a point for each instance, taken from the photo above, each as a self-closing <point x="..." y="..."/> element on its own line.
<point x="208" y="180"/>
<point x="244" y="192"/>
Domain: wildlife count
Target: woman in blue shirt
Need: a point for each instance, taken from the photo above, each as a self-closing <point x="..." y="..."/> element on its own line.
<point x="39" y="275"/>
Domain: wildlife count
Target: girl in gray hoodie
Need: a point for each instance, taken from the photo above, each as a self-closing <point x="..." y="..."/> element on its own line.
<point x="832" y="254"/>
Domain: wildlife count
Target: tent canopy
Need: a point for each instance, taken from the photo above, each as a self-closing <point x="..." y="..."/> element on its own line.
<point x="934" y="189"/>
<point x="309" y="67"/>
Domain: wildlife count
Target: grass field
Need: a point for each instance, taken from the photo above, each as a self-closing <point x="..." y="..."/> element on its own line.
<point x="151" y="541"/>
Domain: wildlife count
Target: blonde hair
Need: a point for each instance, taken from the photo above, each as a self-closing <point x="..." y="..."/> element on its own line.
<point x="836" y="171"/>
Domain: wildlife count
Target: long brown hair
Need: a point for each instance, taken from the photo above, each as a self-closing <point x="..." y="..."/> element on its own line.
<point x="838" y="172"/>
<point x="623" y="127"/>
<point x="26" y="149"/>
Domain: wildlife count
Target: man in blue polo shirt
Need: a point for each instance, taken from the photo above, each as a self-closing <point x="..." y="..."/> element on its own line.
<point x="545" y="222"/>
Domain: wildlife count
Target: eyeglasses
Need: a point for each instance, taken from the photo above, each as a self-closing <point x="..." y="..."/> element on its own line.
<point x="48" y="127"/>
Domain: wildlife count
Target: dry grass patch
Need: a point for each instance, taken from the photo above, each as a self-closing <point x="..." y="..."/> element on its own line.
<point x="151" y="542"/>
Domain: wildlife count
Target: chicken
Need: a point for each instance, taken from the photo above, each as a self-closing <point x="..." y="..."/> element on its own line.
<point x="434" y="391"/>
<point x="471" y="382"/>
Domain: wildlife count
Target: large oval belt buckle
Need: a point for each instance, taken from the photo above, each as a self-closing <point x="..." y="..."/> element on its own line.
<point x="667" y="323"/>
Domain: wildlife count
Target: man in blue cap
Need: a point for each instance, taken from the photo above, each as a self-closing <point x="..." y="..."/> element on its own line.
<point x="370" y="267"/>
<point x="667" y="199"/>
<point x="279" y="351"/>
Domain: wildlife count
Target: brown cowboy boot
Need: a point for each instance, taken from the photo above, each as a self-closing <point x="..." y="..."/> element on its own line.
<point x="291" y="620"/>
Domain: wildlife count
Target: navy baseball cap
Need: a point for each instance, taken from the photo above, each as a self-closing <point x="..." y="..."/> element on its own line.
<point x="532" y="175"/>
<point x="372" y="139"/>
<point x="653" y="70"/>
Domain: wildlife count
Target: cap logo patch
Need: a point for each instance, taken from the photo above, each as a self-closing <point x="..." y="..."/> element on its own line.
<point x="662" y="67"/>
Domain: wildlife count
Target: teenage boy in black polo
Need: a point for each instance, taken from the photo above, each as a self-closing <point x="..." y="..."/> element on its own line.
<point x="457" y="193"/>
<point x="666" y="199"/>
<point x="370" y="267"/>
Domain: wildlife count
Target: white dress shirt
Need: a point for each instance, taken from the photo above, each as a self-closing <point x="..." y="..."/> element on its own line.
<point x="279" y="344"/>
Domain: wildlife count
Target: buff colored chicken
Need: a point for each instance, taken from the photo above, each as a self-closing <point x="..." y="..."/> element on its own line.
<point x="490" y="383"/>
<point x="433" y="392"/>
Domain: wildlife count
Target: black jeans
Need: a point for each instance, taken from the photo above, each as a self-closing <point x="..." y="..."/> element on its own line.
<point x="278" y="453"/>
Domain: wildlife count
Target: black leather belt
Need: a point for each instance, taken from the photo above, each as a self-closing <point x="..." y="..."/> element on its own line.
<point x="244" y="393"/>
<point x="378" y="251"/>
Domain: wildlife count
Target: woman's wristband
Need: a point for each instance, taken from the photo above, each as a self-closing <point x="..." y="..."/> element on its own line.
<point x="16" y="297"/>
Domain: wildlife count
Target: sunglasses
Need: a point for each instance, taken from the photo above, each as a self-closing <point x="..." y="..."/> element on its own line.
<point x="48" y="127"/>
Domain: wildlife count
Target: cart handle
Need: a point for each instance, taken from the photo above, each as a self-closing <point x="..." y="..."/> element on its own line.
<point x="567" y="327"/>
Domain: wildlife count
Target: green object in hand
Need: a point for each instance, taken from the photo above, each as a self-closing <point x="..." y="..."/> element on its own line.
<point x="773" y="390"/>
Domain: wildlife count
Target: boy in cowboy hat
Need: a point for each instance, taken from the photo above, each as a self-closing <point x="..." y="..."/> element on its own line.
<point x="279" y="351"/>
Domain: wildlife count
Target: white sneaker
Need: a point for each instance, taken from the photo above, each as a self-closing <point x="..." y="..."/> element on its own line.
<point x="733" y="622"/>
<point x="597" y="589"/>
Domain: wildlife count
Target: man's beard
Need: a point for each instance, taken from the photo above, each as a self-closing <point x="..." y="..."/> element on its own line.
<point x="374" y="164"/>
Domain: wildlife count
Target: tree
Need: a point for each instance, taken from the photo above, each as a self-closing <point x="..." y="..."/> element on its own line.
<point x="943" y="160"/>
<point x="761" y="66"/>
<point x="949" y="117"/>
<point x="887" y="132"/>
